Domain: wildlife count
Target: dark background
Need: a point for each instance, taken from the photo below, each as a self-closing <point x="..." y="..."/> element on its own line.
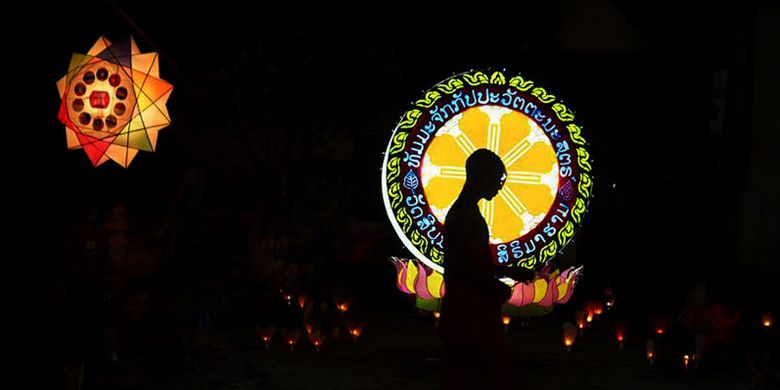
<point x="280" y="117"/>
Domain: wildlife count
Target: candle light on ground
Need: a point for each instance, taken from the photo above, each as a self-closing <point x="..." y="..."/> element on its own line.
<point x="659" y="325"/>
<point x="598" y="309"/>
<point x="590" y="311"/>
<point x="580" y="318"/>
<point x="343" y="306"/>
<point x="767" y="319"/>
<point x="265" y="334"/>
<point x="355" y="332"/>
<point x="650" y="351"/>
<point x="291" y="338"/>
<point x="569" y="335"/>
<point x="620" y="333"/>
<point x="609" y="298"/>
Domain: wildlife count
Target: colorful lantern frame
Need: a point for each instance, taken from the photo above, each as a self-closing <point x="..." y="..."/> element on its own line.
<point x="532" y="298"/>
<point x="549" y="181"/>
<point x="113" y="102"/>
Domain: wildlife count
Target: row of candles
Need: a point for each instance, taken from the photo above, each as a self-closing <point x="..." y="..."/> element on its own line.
<point x="594" y="309"/>
<point x="316" y="337"/>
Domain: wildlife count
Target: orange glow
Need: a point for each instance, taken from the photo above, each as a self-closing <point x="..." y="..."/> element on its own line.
<point x="569" y="335"/>
<point x="620" y="331"/>
<point x="659" y="325"/>
<point x="506" y="320"/>
<point x="767" y="318"/>
<point x="308" y="328"/>
<point x="355" y="332"/>
<point x="436" y="315"/>
<point x="343" y="307"/>
<point x="686" y="361"/>
<point x="590" y="308"/>
<point x="650" y="350"/>
<point x="265" y="334"/>
<point x="580" y="318"/>
<point x="301" y="301"/>
<point x="598" y="309"/>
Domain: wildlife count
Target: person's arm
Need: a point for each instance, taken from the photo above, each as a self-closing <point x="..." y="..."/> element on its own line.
<point x="489" y="278"/>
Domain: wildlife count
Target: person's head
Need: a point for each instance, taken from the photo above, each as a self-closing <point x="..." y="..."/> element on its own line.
<point x="485" y="174"/>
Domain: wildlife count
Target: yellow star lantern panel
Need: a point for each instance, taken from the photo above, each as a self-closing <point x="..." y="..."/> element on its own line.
<point x="532" y="169"/>
<point x="113" y="102"/>
<point x="548" y="182"/>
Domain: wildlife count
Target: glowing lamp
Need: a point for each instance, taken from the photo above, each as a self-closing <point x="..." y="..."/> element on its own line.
<point x="265" y="334"/>
<point x="291" y="343"/>
<point x="686" y="361"/>
<point x="301" y="301"/>
<point x="317" y="340"/>
<point x="355" y="332"/>
<point x="580" y="317"/>
<point x="767" y="319"/>
<point x="597" y="308"/>
<point x="436" y="315"/>
<point x="343" y="306"/>
<point x="569" y="335"/>
<point x="620" y="333"/>
<point x="650" y="351"/>
<point x="659" y="325"/>
<point x="113" y="102"/>
<point x="291" y="338"/>
<point x="609" y="298"/>
<point x="547" y="188"/>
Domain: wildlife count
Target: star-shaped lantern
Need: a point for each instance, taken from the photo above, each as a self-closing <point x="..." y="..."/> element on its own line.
<point x="113" y="102"/>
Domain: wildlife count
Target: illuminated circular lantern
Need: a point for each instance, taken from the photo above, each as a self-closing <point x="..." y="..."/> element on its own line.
<point x="548" y="183"/>
<point x="113" y="102"/>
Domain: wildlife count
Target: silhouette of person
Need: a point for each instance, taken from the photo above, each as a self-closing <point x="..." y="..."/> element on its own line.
<point x="470" y="325"/>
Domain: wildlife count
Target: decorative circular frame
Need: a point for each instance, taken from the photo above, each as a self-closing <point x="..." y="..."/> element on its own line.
<point x="407" y="169"/>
